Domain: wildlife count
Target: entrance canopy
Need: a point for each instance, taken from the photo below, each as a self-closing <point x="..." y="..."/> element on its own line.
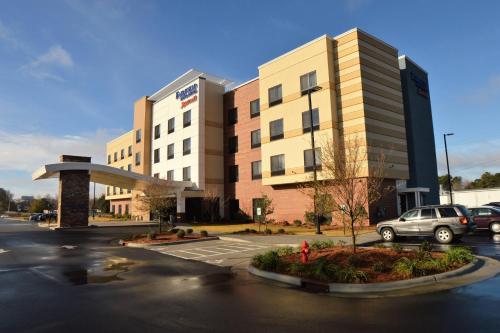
<point x="107" y="175"/>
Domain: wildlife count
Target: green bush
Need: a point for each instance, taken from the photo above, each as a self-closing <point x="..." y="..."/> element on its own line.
<point x="354" y="260"/>
<point x="424" y="251"/>
<point x="174" y="230"/>
<point x="281" y="231"/>
<point x="253" y="231"/>
<point x="268" y="261"/>
<point x="457" y="255"/>
<point x="268" y="231"/>
<point x="297" y="223"/>
<point x="181" y="233"/>
<point x="203" y="233"/>
<point x="322" y="269"/>
<point x="320" y="245"/>
<point x="309" y="217"/>
<point x="247" y="230"/>
<point x="379" y="267"/>
<point x="341" y="243"/>
<point x="285" y="251"/>
<point x="350" y="275"/>
<point x="297" y="268"/>
<point x="189" y="231"/>
<point x="405" y="267"/>
<point x="409" y="268"/>
<point x="397" y="247"/>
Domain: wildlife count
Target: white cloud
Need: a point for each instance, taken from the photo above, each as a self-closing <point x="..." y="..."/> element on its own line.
<point x="48" y="64"/>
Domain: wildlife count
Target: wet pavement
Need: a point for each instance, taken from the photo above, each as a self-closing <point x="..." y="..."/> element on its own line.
<point x="80" y="281"/>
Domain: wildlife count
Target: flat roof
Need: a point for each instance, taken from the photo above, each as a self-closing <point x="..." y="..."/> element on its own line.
<point x="405" y="57"/>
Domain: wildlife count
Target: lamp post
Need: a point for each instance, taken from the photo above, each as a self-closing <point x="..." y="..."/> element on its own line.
<point x="315" y="171"/>
<point x="448" y="165"/>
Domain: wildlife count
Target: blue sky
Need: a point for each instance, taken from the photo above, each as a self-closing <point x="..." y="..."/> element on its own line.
<point x="70" y="70"/>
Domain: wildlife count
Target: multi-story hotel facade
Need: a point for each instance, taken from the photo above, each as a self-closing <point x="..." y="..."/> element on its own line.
<point x="255" y="139"/>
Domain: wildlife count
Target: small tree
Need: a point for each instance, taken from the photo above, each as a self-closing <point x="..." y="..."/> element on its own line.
<point x="267" y="208"/>
<point x="159" y="200"/>
<point x="354" y="182"/>
<point x="321" y="199"/>
<point x="213" y="198"/>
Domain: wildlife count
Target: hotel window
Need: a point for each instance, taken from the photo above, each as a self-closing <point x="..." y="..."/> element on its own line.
<point x="186" y="146"/>
<point x="115" y="156"/>
<point x="138" y="136"/>
<point x="170" y="175"/>
<point x="170" y="151"/>
<point x="278" y="165"/>
<point x="107" y="190"/>
<point x="232" y="116"/>
<point x="233" y="173"/>
<point x="156" y="157"/>
<point x="119" y="210"/>
<point x="307" y="81"/>
<point x="186" y="174"/>
<point x="186" y="118"/>
<point x="121" y="190"/>
<point x="276" y="129"/>
<point x="157" y="131"/>
<point x="122" y="154"/>
<point x="113" y="209"/>
<point x="114" y="190"/>
<point x="129" y="150"/>
<point x="233" y="145"/>
<point x="138" y="158"/>
<point x="109" y="159"/>
<point x="308" y="159"/>
<point x="126" y="209"/>
<point x="306" y="120"/>
<point x="129" y="167"/>
<point x="254" y="108"/>
<point x="257" y="170"/>
<point x="275" y="96"/>
<point x="156" y="175"/>
<point x="255" y="138"/>
<point x="171" y="125"/>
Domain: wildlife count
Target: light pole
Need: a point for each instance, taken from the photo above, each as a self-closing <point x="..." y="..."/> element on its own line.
<point x="315" y="171"/>
<point x="448" y="165"/>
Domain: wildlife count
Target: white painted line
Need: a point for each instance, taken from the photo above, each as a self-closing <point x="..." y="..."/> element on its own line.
<point x="69" y="247"/>
<point x="209" y="251"/>
<point x="193" y="253"/>
<point x="3" y="251"/>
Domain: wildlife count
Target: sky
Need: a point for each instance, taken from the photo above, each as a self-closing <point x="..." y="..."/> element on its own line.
<point x="71" y="70"/>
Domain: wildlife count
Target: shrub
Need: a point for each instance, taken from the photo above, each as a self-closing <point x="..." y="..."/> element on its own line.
<point x="297" y="268"/>
<point x="457" y="255"/>
<point x="321" y="269"/>
<point x="297" y="223"/>
<point x="341" y="243"/>
<point x="320" y="245"/>
<point x="268" y="231"/>
<point x="309" y="217"/>
<point x="350" y="275"/>
<point x="408" y="268"/>
<point x="379" y="267"/>
<point x="203" y="233"/>
<point x="424" y="250"/>
<point x="268" y="261"/>
<point x="405" y="267"/>
<point x="247" y="230"/>
<point x="189" y="231"/>
<point x="354" y="260"/>
<point x="174" y="230"/>
<point x="281" y="231"/>
<point x="151" y="235"/>
<point x="181" y="233"/>
<point x="285" y="251"/>
<point x="397" y="247"/>
<point x="253" y="231"/>
<point x="284" y="223"/>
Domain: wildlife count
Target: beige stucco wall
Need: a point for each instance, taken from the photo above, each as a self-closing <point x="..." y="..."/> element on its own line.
<point x="116" y="145"/>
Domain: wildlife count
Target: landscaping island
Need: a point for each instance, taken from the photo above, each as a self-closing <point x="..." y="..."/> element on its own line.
<point x="173" y="236"/>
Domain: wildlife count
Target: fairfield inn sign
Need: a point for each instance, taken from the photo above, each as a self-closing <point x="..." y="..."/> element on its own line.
<point x="185" y="95"/>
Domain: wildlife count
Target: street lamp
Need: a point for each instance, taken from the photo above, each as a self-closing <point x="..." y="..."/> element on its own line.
<point x="448" y="165"/>
<point x="315" y="172"/>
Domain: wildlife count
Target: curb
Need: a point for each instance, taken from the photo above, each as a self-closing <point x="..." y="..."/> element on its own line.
<point x="288" y="279"/>
<point x="142" y="245"/>
<point x="233" y="239"/>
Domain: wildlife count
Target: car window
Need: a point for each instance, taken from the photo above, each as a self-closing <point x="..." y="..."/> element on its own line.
<point x="428" y="214"/>
<point x="410" y="215"/>
<point x="447" y="212"/>
<point x="484" y="212"/>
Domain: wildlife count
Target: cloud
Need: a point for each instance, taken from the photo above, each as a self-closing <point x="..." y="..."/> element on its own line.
<point x="486" y="93"/>
<point x="48" y="64"/>
<point x="7" y="38"/>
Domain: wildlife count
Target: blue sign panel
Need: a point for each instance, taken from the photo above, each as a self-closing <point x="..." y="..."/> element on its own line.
<point x="189" y="91"/>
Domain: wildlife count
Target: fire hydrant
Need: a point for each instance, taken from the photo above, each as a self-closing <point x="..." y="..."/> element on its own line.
<point x="304" y="250"/>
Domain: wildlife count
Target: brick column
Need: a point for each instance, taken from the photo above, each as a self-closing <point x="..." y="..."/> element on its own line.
<point x="73" y="203"/>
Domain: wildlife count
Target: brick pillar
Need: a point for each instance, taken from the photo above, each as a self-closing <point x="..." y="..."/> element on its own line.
<point x="73" y="205"/>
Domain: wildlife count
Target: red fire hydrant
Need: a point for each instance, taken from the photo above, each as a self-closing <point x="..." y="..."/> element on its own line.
<point x="304" y="250"/>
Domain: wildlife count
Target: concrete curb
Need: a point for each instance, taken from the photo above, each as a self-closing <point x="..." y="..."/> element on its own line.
<point x="360" y="290"/>
<point x="233" y="239"/>
<point x="142" y="245"/>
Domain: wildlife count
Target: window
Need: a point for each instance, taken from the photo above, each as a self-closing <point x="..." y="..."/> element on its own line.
<point x="447" y="212"/>
<point x="483" y="212"/>
<point x="186" y="146"/>
<point x="129" y="167"/>
<point x="157" y="131"/>
<point x="186" y="174"/>
<point x="410" y="215"/>
<point x="115" y="156"/>
<point x="232" y="116"/>
<point x="257" y="170"/>
<point x="114" y="190"/>
<point x="119" y="210"/>
<point x="170" y="151"/>
<point x="275" y="97"/>
<point x="126" y="209"/>
<point x="109" y="159"/>
<point x="308" y="159"/>
<point x="255" y="138"/>
<point x="170" y="175"/>
<point x="171" y="125"/>
<point x="138" y="158"/>
<point x="156" y="155"/>
<point x="186" y="118"/>
<point x="233" y="173"/>
<point x="113" y="209"/>
<point x="138" y="136"/>
<point x="156" y="175"/>
<point x="122" y="154"/>
<point x="121" y="190"/>
<point x="254" y="108"/>
<point x="107" y="190"/>
<point x="276" y="129"/>
<point x="129" y="150"/>
<point x="306" y="120"/>
<point x="277" y="165"/>
<point x="233" y="145"/>
<point x="307" y="81"/>
<point x="428" y="214"/>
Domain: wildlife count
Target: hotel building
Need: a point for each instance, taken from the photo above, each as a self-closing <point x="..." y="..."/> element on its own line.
<point x="254" y="139"/>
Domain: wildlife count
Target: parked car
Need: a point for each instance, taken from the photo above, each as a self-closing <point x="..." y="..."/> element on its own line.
<point x="487" y="217"/>
<point x="3" y="216"/>
<point x="37" y="217"/>
<point x="495" y="204"/>
<point x="444" y="222"/>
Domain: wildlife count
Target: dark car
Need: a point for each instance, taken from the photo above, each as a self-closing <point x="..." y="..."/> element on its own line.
<point x="494" y="204"/>
<point x="487" y="217"/>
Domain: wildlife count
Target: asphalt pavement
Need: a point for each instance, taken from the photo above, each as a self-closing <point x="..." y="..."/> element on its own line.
<point x="81" y="281"/>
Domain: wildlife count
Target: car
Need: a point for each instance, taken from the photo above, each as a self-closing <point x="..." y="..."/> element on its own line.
<point x="495" y="204"/>
<point x="4" y="216"/>
<point x="487" y="217"/>
<point x="444" y="222"/>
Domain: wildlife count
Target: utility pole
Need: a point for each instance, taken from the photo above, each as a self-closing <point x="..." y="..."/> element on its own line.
<point x="315" y="171"/>
<point x="448" y="166"/>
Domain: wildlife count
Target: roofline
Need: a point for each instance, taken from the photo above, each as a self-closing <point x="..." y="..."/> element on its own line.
<point x="243" y="84"/>
<point x="404" y="56"/>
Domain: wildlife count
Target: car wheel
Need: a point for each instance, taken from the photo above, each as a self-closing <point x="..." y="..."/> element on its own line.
<point x="443" y="235"/>
<point x="495" y="227"/>
<point x="387" y="234"/>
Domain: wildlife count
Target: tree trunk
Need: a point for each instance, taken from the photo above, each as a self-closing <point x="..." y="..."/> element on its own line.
<point x="353" y="237"/>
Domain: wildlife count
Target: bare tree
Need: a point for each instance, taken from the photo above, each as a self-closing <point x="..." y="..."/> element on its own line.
<point x="354" y="181"/>
<point x="158" y="199"/>
<point x="267" y="208"/>
<point x="213" y="198"/>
